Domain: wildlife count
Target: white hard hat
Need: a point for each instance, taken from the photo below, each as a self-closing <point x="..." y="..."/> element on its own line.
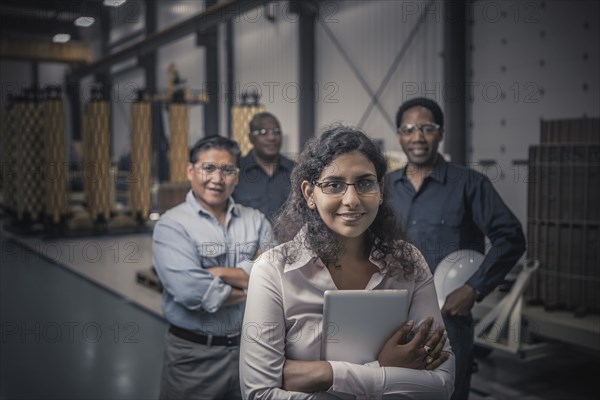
<point x="454" y="270"/>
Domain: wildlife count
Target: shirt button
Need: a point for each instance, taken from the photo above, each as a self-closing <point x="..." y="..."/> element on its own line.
<point x="414" y="222"/>
<point x="443" y="221"/>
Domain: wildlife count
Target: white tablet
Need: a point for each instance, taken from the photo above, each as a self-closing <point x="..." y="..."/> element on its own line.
<point x="357" y="323"/>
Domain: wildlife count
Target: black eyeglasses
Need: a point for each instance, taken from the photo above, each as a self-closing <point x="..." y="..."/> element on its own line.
<point x="362" y="187"/>
<point x="265" y="131"/>
<point x="211" y="168"/>
<point x="427" y="129"/>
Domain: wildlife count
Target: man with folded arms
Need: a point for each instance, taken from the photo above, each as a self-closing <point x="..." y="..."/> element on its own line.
<point x="203" y="251"/>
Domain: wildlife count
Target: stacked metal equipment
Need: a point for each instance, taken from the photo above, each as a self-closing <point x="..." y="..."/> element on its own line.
<point x="96" y="160"/>
<point x="178" y="150"/>
<point x="141" y="150"/>
<point x="56" y="205"/>
<point x="29" y="157"/>
<point x="241" y="115"/>
<point x="563" y="215"/>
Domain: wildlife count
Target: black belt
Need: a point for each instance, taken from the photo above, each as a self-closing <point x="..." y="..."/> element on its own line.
<point x="209" y="340"/>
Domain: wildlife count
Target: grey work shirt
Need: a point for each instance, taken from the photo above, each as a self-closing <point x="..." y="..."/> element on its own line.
<point x="187" y="240"/>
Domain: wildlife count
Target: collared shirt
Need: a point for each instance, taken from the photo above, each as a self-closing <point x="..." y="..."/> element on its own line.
<point x="455" y="208"/>
<point x="188" y="239"/>
<point x="283" y="320"/>
<point x="258" y="190"/>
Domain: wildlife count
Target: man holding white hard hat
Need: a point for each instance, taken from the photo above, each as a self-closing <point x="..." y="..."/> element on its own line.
<point x="445" y="207"/>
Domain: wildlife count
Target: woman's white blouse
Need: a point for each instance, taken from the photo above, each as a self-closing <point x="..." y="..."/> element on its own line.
<point x="283" y="320"/>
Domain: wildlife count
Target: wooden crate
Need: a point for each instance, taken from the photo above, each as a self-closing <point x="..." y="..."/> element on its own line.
<point x="569" y="273"/>
<point x="563" y="224"/>
<point x="570" y="131"/>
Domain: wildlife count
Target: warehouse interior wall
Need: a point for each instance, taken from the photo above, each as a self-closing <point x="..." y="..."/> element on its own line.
<point x="373" y="35"/>
<point x="528" y="61"/>
<point x="266" y="62"/>
<point x="525" y="64"/>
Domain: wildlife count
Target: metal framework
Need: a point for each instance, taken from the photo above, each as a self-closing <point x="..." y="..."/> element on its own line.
<point x="221" y="12"/>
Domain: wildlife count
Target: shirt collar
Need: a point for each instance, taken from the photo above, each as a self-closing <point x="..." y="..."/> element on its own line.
<point x="438" y="173"/>
<point x="308" y="257"/>
<point x="232" y="206"/>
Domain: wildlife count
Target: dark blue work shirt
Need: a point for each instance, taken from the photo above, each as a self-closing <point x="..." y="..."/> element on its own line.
<point x="455" y="208"/>
<point x="258" y="190"/>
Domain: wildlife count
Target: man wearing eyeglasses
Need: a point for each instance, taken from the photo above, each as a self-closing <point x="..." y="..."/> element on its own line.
<point x="264" y="172"/>
<point x="445" y="207"/>
<point x="203" y="251"/>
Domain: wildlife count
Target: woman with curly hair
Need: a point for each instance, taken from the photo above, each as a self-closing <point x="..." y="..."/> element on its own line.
<point x="338" y="233"/>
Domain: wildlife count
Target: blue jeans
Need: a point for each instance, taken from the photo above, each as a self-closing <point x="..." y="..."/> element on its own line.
<point x="460" y="333"/>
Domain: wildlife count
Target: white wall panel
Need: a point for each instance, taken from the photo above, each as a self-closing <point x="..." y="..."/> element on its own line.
<point x="266" y="60"/>
<point x="372" y="34"/>
<point x="189" y="60"/>
<point x="544" y="57"/>
<point x="125" y="87"/>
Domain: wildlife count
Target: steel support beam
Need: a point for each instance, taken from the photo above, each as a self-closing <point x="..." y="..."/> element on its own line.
<point x="73" y="94"/>
<point x="134" y="35"/>
<point x="306" y="75"/>
<point x="103" y="76"/>
<point x="45" y="9"/>
<point x="45" y="28"/>
<point x="229" y="73"/>
<point x="455" y="63"/>
<point x="43" y="51"/>
<point x="35" y="74"/>
<point x="208" y="38"/>
<point x="149" y="61"/>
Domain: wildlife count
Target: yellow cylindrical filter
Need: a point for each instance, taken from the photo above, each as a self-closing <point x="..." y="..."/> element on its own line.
<point x="56" y="174"/>
<point x="96" y="165"/>
<point x="240" y="118"/>
<point x="141" y="153"/>
<point x="178" y="150"/>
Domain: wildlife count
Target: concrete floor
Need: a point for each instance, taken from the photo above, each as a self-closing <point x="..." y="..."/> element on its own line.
<point x="564" y="373"/>
<point x="76" y="329"/>
<point x="64" y="337"/>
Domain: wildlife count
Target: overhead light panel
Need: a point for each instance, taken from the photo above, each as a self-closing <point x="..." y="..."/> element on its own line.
<point x="84" y="22"/>
<point x="114" y="3"/>
<point x="61" y="38"/>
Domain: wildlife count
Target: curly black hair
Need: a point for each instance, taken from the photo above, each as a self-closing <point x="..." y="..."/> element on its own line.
<point x="384" y="235"/>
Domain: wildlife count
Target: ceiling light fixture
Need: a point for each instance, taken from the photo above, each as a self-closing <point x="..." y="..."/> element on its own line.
<point x="113" y="3"/>
<point x="84" y="22"/>
<point x="61" y="38"/>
